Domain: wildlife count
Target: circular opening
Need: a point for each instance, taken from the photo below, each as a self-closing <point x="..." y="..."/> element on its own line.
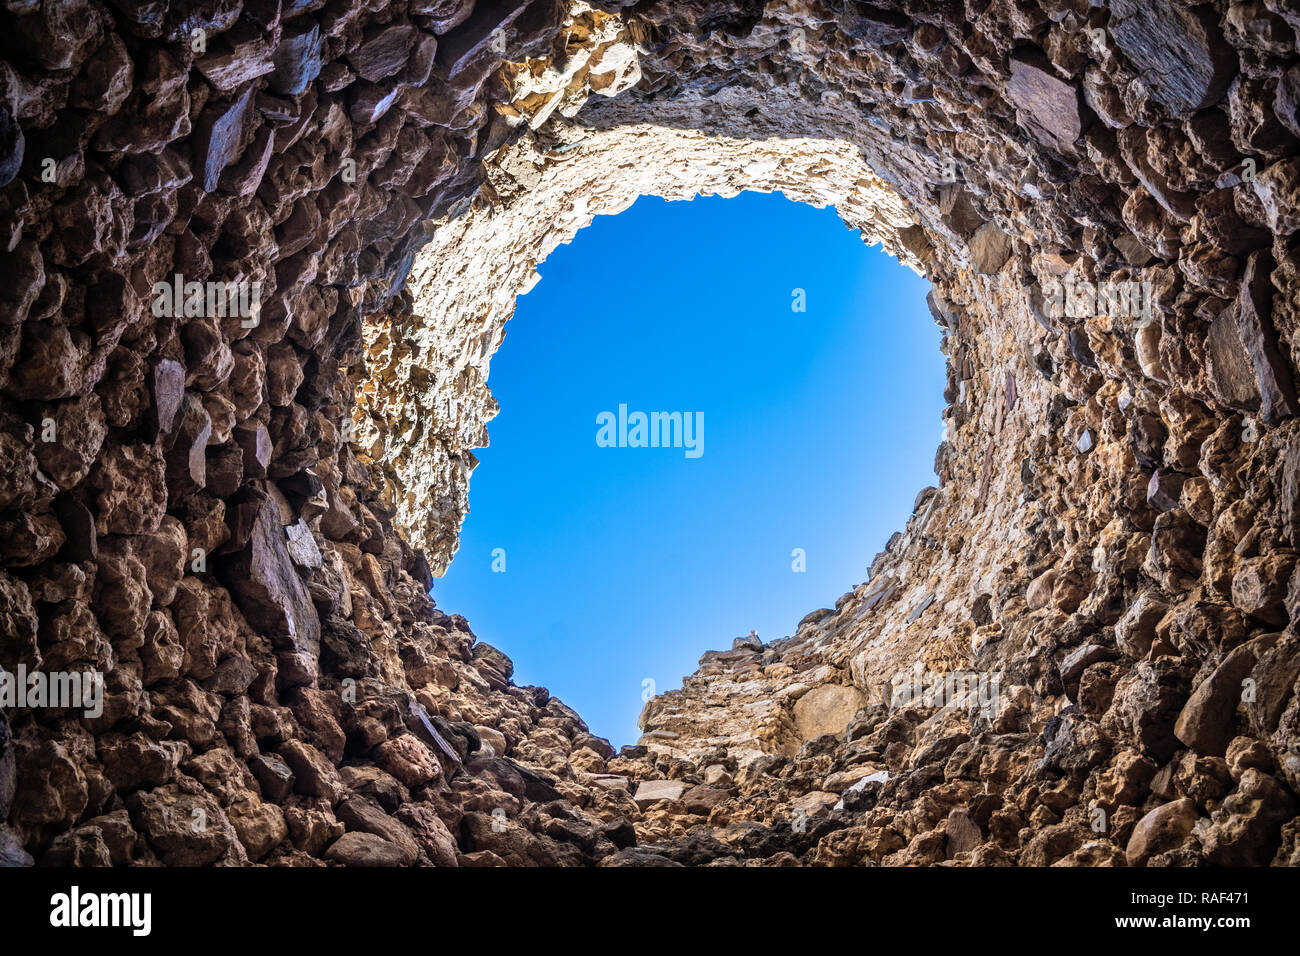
<point x="792" y="385"/>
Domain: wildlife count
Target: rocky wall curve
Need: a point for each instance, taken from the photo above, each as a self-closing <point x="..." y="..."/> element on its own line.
<point x="257" y="257"/>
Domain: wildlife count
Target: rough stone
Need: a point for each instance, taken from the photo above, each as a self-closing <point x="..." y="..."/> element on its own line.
<point x="239" y="521"/>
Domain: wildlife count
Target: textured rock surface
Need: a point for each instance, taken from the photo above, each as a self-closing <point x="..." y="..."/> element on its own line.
<point x="218" y="514"/>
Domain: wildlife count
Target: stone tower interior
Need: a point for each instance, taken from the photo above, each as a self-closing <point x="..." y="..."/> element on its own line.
<point x="234" y="517"/>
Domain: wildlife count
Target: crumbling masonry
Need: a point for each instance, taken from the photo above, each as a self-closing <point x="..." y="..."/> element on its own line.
<point x="234" y="518"/>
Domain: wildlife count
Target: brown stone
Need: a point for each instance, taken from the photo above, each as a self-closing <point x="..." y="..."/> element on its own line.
<point x="269" y="592"/>
<point x="1255" y="318"/>
<point x="1047" y="106"/>
<point x="1164" y="828"/>
<point x="1205" y="723"/>
<point x="218" y="133"/>
<point x="1178" y="51"/>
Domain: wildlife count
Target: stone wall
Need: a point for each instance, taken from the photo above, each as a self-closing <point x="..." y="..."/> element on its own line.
<point x="213" y="511"/>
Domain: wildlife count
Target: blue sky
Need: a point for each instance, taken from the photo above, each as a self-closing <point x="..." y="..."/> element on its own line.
<point x="624" y="564"/>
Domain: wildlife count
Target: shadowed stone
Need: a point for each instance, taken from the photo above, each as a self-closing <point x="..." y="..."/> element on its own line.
<point x="1179" y="52"/>
<point x="383" y="51"/>
<point x="185" y="506"/>
<point x="1164" y="828"/>
<point x="273" y="597"/>
<point x="1255" y="326"/>
<point x="297" y="59"/>
<point x="217" y="136"/>
<point x="11" y="147"/>
<point x="1048" y="106"/>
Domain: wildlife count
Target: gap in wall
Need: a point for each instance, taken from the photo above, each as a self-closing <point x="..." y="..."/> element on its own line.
<point x="623" y="565"/>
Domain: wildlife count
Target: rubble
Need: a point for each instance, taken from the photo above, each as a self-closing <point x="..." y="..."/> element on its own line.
<point x="237" y="518"/>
